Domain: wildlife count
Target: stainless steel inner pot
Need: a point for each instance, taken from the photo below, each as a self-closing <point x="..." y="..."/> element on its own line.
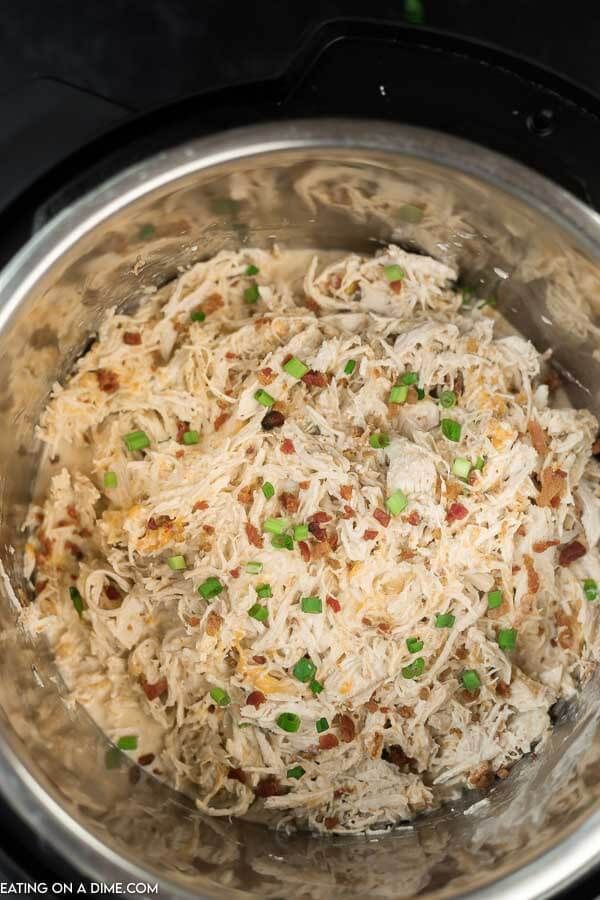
<point x="326" y="184"/>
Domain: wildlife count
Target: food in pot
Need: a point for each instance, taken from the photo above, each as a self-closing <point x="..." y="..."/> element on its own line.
<point x="316" y="540"/>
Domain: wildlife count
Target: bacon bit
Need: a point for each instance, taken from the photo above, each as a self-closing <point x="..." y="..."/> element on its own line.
<point x="112" y="592"/>
<point x="152" y="691"/>
<point x="369" y="535"/>
<point x="261" y="320"/>
<point x="157" y="522"/>
<point x="304" y="551"/>
<point x="287" y="446"/>
<point x="74" y="549"/>
<point x="503" y="689"/>
<point x="237" y="775"/>
<point x="268" y="787"/>
<point x="199" y="504"/>
<point x="366" y="621"/>
<point x="541" y="546"/>
<point x="382" y="517"/>
<point x="570" y="552"/>
<point x="266" y="375"/>
<point x="406" y="712"/>
<point x="515" y="569"/>
<point x="320" y="549"/>
<point x="311" y="304"/>
<point x="231" y="355"/>
<point x="182" y="427"/>
<point x="220" y="420"/>
<point x="502" y="773"/>
<point x="346" y="491"/>
<point x="213" y="623"/>
<point x="384" y="627"/>
<point x="522" y="530"/>
<point x="290" y="502"/>
<point x="40" y="585"/>
<point x="314" y="379"/>
<point x="208" y="529"/>
<point x="481" y="777"/>
<point x="304" y="485"/>
<point x="317" y="532"/>
<point x="533" y="579"/>
<point x="456" y="511"/>
<point x="245" y="495"/>
<point x="396" y="286"/>
<point x="253" y="535"/>
<point x="413" y="518"/>
<point x="553" y="487"/>
<point x="193" y="621"/>
<point x="259" y="660"/>
<point x="320" y="518"/>
<point x="396" y="755"/>
<point x="133" y="338"/>
<point x="330" y="822"/>
<point x="461" y="652"/>
<point x="256" y="698"/>
<point x="346" y="727"/>
<point x="376" y="745"/>
<point x="235" y="573"/>
<point x="72" y="512"/>
<point x="146" y="759"/>
<point x="179" y="454"/>
<point x="328" y="741"/>
<point x="212" y="303"/>
<point x="538" y="437"/>
<point x="348" y="512"/>
<point x="107" y="381"/>
<point x="272" y="419"/>
<point x="372" y="705"/>
<point x="333" y="604"/>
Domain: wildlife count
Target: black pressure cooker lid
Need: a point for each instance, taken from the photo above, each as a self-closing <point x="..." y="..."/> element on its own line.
<point x="88" y="117"/>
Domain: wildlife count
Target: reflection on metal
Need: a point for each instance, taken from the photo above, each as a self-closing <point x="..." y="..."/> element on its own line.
<point x="327" y="185"/>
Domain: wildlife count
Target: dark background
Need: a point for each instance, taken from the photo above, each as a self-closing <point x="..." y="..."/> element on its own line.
<point x="71" y="71"/>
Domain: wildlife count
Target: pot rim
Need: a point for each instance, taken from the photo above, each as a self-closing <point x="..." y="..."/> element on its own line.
<point x="573" y="856"/>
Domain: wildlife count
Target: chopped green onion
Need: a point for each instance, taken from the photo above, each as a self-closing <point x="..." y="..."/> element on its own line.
<point x="220" y="696"/>
<point x="263" y="591"/>
<point x="190" y="437"/>
<point x="316" y="686"/>
<point x="471" y="680"/>
<point x="451" y="429"/>
<point x="304" y="670"/>
<point x="414" y="644"/>
<point x="590" y="589"/>
<point x="268" y="490"/>
<point x="410" y="378"/>
<point x="128" y="742"/>
<point x="176" y="563"/>
<point x="110" y="479"/>
<point x="276" y="526"/>
<point x="112" y="758"/>
<point x="311" y="605"/>
<point x="300" y="532"/>
<point x="147" y="231"/>
<point x="379" y="440"/>
<point x="507" y="638"/>
<point x="258" y="612"/>
<point x="444" y="620"/>
<point x="420" y="394"/>
<point x="398" y="394"/>
<point x="494" y="599"/>
<point x="447" y="399"/>
<point x="479" y="463"/>
<point x="295" y="772"/>
<point x="252" y="293"/>
<point x="416" y="668"/>
<point x="210" y="588"/>
<point x="322" y="725"/>
<point x="295" y="367"/>
<point x="288" y="722"/>
<point x="254" y="568"/>
<point x="461" y="467"/>
<point x="198" y="315"/>
<point x="282" y="542"/>
<point x="136" y="440"/>
<point x="410" y="214"/>
<point x="393" y="273"/>
<point x="264" y="398"/>
<point x="350" y="367"/>
<point x="396" y="502"/>
<point x="76" y="600"/>
<point x="252" y="270"/>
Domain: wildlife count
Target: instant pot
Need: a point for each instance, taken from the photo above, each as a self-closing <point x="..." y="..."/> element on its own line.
<point x="345" y="131"/>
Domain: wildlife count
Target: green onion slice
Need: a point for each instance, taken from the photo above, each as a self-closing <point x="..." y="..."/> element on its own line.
<point x="410" y="378"/>
<point x="258" y="612"/>
<point x="350" y="367"/>
<point x="295" y="367"/>
<point x="398" y="394"/>
<point x="414" y="644"/>
<point x="494" y="599"/>
<point x="393" y="273"/>
<point x="507" y="638"/>
<point x="264" y="398"/>
<point x="289" y="722"/>
<point x="276" y="526"/>
<point x="264" y="591"/>
<point x="136" y="440"/>
<point x="252" y="270"/>
<point x="444" y="620"/>
<point x="295" y="772"/>
<point x="396" y="502"/>
<point x="254" y="568"/>
<point x="322" y="725"/>
<point x="301" y="532"/>
<point x="316" y="686"/>
<point x="252" y="293"/>
<point x="220" y="696"/>
<point x="416" y="668"/>
<point x="461" y="467"/>
<point x="379" y="440"/>
<point x="76" y="600"/>
<point x="176" y="563"/>
<point x="128" y="742"/>
<point x="268" y="490"/>
<point x="110" y="479"/>
<point x="282" y="542"/>
<point x="311" y="605"/>
<point x="304" y="670"/>
<point x="210" y="588"/>
<point x="451" y="429"/>
<point x="471" y="680"/>
<point x="590" y="589"/>
<point x="198" y="315"/>
<point x="190" y="437"/>
<point x="447" y="399"/>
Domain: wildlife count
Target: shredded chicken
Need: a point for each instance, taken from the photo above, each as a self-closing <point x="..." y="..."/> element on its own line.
<point x="312" y="540"/>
